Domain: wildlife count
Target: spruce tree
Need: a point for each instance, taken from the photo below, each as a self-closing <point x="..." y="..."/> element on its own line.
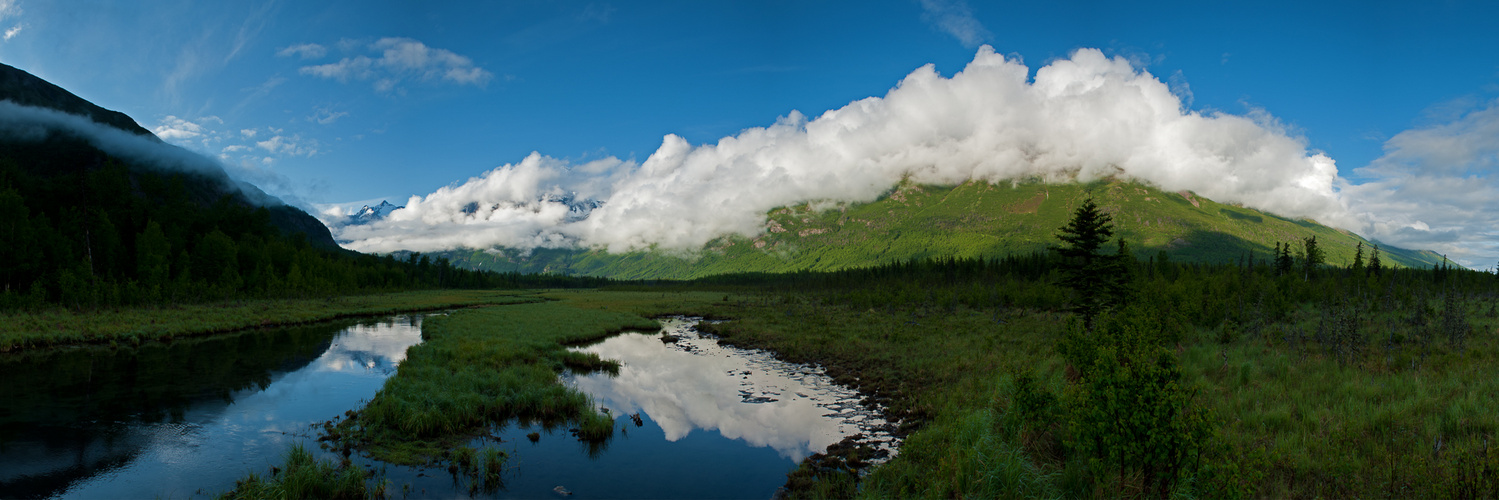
<point x="1101" y="281"/>
<point x="1313" y="255"/>
<point x="1374" y="265"/>
<point x="1358" y="258"/>
<point x="1283" y="261"/>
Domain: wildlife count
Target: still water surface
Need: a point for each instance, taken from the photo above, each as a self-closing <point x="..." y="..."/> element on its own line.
<point x="187" y="418"/>
<point x="183" y="418"/>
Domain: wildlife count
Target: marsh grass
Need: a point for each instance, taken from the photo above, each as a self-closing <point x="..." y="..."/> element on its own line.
<point x="1401" y="418"/>
<point x="304" y="477"/>
<point x="135" y="325"/>
<point x="482" y="367"/>
<point x="1392" y="411"/>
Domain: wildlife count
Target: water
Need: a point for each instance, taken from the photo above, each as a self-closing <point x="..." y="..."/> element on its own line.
<point x="187" y="418"/>
<point x="715" y="422"/>
<point x="184" y="418"/>
<point x="748" y="395"/>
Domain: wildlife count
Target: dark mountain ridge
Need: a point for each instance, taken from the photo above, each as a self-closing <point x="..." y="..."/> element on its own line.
<point x="26" y="89"/>
<point x="63" y="152"/>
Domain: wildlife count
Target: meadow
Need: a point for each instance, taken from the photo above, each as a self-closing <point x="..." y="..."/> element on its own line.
<point x="133" y="325"/>
<point x="1333" y="383"/>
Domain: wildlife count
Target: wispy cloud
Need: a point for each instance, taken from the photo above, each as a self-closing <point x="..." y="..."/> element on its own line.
<point x="13" y="31"/>
<point x="955" y="18"/>
<point x="9" y="9"/>
<point x="596" y="12"/>
<point x="398" y="60"/>
<point x="304" y="50"/>
<point x="324" y="115"/>
<point x="290" y="145"/>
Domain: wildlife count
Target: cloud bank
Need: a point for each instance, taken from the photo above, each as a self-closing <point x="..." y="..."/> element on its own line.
<point x="1081" y="118"/>
<point x="27" y="123"/>
<point x="1434" y="188"/>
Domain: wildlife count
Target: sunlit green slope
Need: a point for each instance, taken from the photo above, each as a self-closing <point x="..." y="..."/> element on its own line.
<point x="971" y="220"/>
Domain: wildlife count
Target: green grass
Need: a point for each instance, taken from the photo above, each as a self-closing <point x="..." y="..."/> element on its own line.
<point x="1295" y="422"/>
<point x="134" y="325"/>
<point x="481" y="367"/>
<point x="975" y="219"/>
<point x="303" y="477"/>
<point x="1402" y="418"/>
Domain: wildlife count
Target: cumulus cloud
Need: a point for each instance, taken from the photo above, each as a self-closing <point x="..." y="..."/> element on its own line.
<point x="1434" y="188"/>
<point x="305" y="51"/>
<point x="955" y="18"/>
<point x="396" y="60"/>
<point x="13" y="31"/>
<point x="1081" y="118"/>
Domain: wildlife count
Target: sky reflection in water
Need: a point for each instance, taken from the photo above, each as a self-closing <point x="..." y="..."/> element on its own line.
<point x="104" y="438"/>
<point x="742" y="394"/>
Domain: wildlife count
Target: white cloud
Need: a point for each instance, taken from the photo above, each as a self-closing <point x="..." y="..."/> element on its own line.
<point x="1435" y="188"/>
<point x="9" y="9"/>
<point x="305" y="51"/>
<point x="293" y="145"/>
<point x="13" y="31"/>
<point x="396" y="60"/>
<point x="174" y="129"/>
<point x="325" y="115"/>
<point x="247" y="132"/>
<point x="34" y="124"/>
<point x="1081" y="118"/>
<point x="955" y="18"/>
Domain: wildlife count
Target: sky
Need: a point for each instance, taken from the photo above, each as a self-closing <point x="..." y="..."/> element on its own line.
<point x="690" y="119"/>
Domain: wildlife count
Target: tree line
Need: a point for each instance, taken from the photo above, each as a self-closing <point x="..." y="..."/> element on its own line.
<point x="110" y="236"/>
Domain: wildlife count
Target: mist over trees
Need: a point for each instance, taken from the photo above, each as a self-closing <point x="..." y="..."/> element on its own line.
<point x="111" y="236"/>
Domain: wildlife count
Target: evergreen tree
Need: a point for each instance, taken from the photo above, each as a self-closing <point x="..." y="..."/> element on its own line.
<point x="153" y="255"/>
<point x="1283" y="261"/>
<point x="1099" y="280"/>
<point x="1358" y="258"/>
<point x="1374" y="265"/>
<point x="1312" y="256"/>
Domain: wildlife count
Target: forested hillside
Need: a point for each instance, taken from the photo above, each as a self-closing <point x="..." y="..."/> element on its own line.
<point x="83" y="227"/>
<point x="973" y="220"/>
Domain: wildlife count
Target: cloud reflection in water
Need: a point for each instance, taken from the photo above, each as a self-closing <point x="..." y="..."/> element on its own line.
<point x="742" y="394"/>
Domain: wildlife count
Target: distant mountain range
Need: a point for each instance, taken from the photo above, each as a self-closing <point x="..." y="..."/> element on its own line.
<point x="370" y="214"/>
<point x="976" y="219"/>
<point x="576" y="209"/>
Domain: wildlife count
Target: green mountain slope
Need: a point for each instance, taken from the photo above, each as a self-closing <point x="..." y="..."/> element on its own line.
<point x="976" y="219"/>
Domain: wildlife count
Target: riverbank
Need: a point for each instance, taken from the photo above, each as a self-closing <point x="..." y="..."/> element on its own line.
<point x="485" y="366"/>
<point x="134" y="325"/>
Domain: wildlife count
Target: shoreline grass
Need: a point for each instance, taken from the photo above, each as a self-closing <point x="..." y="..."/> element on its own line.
<point x="134" y="325"/>
<point x="304" y="476"/>
<point x="485" y="366"/>
<point x="1296" y="420"/>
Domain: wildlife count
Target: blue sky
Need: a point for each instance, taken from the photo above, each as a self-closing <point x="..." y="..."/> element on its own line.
<point x="486" y="84"/>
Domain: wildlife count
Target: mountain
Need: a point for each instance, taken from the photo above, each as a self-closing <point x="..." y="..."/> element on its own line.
<point x="96" y="211"/>
<point x="370" y="214"/>
<point x="25" y="89"/>
<point x="976" y="219"/>
<point x="63" y="152"/>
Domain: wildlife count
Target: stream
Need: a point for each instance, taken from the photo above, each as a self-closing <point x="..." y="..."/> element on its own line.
<point x="185" y="419"/>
